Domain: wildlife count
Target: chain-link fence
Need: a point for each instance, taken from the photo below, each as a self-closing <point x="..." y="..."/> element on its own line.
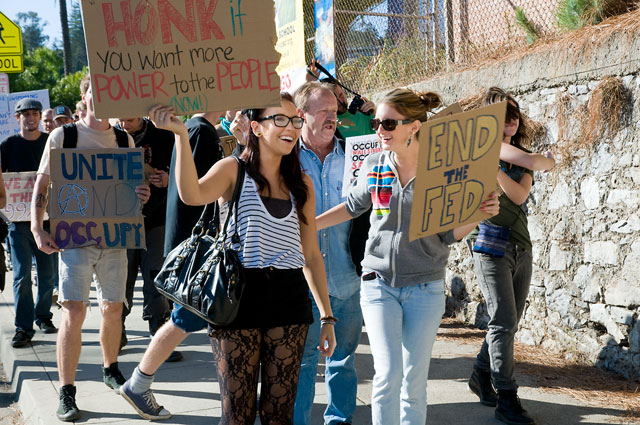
<point x="388" y="43"/>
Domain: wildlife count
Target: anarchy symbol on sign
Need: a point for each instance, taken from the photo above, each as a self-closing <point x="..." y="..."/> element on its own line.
<point x="72" y="199"/>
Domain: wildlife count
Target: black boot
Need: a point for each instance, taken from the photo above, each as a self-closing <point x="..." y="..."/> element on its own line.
<point x="510" y="410"/>
<point x="481" y="385"/>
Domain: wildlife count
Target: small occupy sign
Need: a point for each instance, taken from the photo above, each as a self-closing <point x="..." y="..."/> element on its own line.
<point x="93" y="199"/>
<point x="194" y="55"/>
<point x="457" y="169"/>
<point x="356" y="150"/>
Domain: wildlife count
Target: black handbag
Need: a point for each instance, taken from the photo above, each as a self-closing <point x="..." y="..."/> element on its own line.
<point x="204" y="273"/>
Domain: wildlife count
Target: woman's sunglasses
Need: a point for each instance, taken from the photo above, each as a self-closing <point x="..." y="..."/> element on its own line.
<point x="388" y="124"/>
<point x="281" y="120"/>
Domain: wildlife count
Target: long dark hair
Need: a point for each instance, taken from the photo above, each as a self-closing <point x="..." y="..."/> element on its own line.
<point x="496" y="95"/>
<point x="290" y="169"/>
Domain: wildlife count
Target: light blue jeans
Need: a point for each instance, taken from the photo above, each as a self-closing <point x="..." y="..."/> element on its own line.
<point x="341" y="380"/>
<point x="401" y="324"/>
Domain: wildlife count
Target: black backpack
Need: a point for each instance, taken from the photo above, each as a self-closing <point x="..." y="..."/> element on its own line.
<point x="71" y="136"/>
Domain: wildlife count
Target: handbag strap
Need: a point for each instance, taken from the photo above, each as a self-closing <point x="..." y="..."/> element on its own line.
<point x="233" y="205"/>
<point x="209" y="220"/>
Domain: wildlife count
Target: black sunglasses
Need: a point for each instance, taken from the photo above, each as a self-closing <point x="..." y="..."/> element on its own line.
<point x="388" y="124"/>
<point x="281" y="120"/>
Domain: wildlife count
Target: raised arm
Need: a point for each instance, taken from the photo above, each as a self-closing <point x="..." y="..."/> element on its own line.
<point x="517" y="192"/>
<point x="530" y="161"/>
<point x="218" y="182"/>
<point x="314" y="271"/>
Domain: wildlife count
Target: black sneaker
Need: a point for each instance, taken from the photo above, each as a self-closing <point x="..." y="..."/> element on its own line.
<point x="145" y="403"/>
<point x="68" y="410"/>
<point x="112" y="377"/>
<point x="510" y="410"/>
<point x="47" y="327"/>
<point x="175" y="356"/>
<point x="481" y="385"/>
<point x="21" y="338"/>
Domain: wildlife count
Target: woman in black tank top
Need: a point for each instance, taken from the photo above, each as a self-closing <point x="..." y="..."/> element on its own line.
<point x="269" y="333"/>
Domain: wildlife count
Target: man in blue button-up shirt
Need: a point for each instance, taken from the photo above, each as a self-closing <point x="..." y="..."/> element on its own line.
<point x="322" y="158"/>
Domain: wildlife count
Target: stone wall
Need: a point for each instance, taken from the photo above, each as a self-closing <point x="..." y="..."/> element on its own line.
<point x="584" y="217"/>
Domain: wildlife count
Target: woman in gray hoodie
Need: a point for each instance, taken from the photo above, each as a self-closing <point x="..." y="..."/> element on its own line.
<point x="402" y="294"/>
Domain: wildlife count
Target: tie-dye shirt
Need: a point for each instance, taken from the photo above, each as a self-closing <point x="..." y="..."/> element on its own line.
<point x="388" y="252"/>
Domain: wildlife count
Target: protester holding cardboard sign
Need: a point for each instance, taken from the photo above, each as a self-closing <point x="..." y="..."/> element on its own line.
<point x="278" y="249"/>
<point x="503" y="264"/>
<point x="402" y="293"/>
<point x="19" y="153"/>
<point x="79" y="265"/>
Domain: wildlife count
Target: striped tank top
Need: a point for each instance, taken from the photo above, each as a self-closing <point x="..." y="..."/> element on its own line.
<point x="266" y="241"/>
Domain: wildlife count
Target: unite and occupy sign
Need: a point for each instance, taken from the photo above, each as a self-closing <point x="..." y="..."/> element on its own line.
<point x="457" y="169"/>
<point x="194" y="55"/>
<point x="93" y="199"/>
<point x="19" y="189"/>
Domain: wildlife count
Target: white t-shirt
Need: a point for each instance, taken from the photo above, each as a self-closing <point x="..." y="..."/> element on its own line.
<point x="88" y="138"/>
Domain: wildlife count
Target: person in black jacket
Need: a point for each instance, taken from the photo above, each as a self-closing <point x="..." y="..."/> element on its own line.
<point x="157" y="145"/>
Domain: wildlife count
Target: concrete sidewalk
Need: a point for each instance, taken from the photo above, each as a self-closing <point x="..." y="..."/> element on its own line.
<point x="189" y="389"/>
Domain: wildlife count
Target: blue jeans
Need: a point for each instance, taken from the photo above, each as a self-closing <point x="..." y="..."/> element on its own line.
<point x="341" y="380"/>
<point x="23" y="250"/>
<point x="504" y="282"/>
<point x="401" y="324"/>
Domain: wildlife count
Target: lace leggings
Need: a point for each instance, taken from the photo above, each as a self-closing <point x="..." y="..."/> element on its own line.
<point x="240" y="354"/>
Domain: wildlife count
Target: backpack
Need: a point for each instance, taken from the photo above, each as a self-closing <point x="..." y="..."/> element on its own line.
<point x="71" y="136"/>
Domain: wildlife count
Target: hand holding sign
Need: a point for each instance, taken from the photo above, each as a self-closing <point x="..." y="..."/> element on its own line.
<point x="164" y="117"/>
<point x="144" y="192"/>
<point x="457" y="166"/>
<point x="44" y="241"/>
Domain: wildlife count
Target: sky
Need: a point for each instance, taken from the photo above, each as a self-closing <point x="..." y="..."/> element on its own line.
<point x="47" y="10"/>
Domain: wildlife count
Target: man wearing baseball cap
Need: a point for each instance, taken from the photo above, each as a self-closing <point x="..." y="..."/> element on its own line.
<point x="18" y="153"/>
<point x="62" y="115"/>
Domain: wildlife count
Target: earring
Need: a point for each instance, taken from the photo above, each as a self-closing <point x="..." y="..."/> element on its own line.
<point x="259" y="134"/>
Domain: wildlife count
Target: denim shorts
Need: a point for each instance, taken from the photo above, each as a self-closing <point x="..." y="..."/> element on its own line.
<point x="78" y="266"/>
<point x="186" y="320"/>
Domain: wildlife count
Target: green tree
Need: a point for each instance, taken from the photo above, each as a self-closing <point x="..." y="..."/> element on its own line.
<point x="32" y="27"/>
<point x="67" y="90"/>
<point x="42" y="70"/>
<point x="66" y="42"/>
<point x="76" y="36"/>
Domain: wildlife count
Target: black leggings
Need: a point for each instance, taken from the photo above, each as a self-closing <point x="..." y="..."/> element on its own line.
<point x="240" y="354"/>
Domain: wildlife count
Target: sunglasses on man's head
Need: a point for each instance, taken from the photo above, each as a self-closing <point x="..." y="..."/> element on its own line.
<point x="388" y="124"/>
<point x="281" y="120"/>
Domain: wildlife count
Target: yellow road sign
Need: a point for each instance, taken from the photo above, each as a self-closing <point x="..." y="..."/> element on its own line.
<point x="11" y="64"/>
<point x="10" y="37"/>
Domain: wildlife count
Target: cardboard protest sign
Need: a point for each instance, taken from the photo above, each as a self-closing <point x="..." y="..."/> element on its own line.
<point x="194" y="55"/>
<point x="93" y="199"/>
<point x="356" y="149"/>
<point x="290" y="28"/>
<point x="457" y="169"/>
<point x="19" y="188"/>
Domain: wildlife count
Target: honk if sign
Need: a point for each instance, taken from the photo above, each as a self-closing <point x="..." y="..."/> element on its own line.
<point x="194" y="55"/>
<point x="93" y="199"/>
<point x="457" y="169"/>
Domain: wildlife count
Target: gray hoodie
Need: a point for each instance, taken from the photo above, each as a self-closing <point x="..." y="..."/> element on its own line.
<point x="388" y="251"/>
